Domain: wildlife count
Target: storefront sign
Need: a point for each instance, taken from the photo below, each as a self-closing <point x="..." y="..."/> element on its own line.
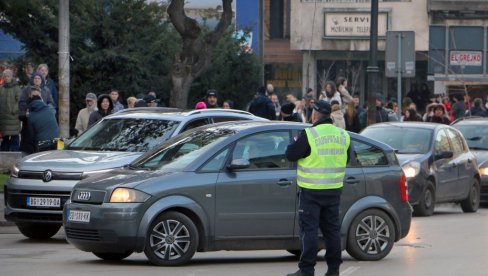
<point x="465" y="58"/>
<point x="352" y="24"/>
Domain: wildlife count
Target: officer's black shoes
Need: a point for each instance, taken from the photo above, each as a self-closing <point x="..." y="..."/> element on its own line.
<point x="300" y="273"/>
<point x="332" y="272"/>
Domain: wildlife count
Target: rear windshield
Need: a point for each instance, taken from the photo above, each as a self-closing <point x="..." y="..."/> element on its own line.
<point x="133" y="135"/>
<point x="405" y="140"/>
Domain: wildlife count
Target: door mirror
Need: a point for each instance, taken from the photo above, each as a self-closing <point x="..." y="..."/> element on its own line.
<point x="238" y="164"/>
<point x="444" y="154"/>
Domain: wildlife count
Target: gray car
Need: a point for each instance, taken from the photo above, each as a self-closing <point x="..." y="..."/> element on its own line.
<point x="41" y="183"/>
<point x="229" y="187"/>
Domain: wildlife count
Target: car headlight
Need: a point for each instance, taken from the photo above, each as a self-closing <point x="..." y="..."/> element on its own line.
<point x="90" y="173"/>
<point x="125" y="195"/>
<point x="411" y="169"/>
<point x="484" y="171"/>
<point x="14" y="172"/>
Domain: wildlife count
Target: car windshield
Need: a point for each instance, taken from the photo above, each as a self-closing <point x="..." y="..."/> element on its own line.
<point x="475" y="135"/>
<point x="183" y="150"/>
<point x="404" y="140"/>
<point x="133" y="135"/>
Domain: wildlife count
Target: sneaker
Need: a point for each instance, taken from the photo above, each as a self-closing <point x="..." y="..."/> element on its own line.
<point x="299" y="273"/>
<point x="332" y="272"/>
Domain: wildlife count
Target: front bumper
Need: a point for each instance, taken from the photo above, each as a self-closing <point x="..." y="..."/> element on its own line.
<point x="416" y="187"/>
<point x="113" y="227"/>
<point x="18" y="190"/>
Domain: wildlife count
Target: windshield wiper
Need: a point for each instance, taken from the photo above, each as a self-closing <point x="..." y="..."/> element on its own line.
<point x="478" y="148"/>
<point x="476" y="138"/>
<point x="133" y="167"/>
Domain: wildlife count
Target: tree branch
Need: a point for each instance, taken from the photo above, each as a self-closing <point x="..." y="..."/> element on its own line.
<point x="224" y="23"/>
<point x="186" y="26"/>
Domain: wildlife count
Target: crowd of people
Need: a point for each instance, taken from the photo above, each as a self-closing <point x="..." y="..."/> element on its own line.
<point x="28" y="110"/>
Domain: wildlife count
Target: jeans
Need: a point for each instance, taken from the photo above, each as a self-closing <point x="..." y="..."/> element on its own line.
<point x="10" y="143"/>
<point x="319" y="210"/>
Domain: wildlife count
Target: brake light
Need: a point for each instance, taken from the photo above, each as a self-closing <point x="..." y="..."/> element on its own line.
<point x="403" y="189"/>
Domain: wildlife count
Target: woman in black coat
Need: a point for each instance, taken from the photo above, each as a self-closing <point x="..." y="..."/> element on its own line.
<point x="105" y="107"/>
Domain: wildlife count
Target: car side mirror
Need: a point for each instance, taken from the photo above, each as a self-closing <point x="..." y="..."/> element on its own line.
<point x="444" y="154"/>
<point x="238" y="164"/>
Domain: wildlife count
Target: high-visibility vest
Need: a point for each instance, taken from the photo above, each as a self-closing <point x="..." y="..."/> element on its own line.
<point x="325" y="167"/>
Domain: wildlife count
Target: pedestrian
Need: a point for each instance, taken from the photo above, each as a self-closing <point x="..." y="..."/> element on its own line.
<point x="277" y="106"/>
<point x="351" y="118"/>
<point x="439" y="115"/>
<point x="105" y="107"/>
<point x="342" y="88"/>
<point x="84" y="114"/>
<point x="131" y="101"/>
<point x="228" y="104"/>
<point x="288" y="113"/>
<point x="330" y="93"/>
<point x="115" y="97"/>
<point x="38" y="81"/>
<point x="381" y="112"/>
<point x="411" y="115"/>
<point x="42" y="125"/>
<point x="262" y="106"/>
<point x="459" y="107"/>
<point x="337" y="115"/>
<point x="151" y="101"/>
<point x="211" y="99"/>
<point x="321" y="153"/>
<point x="49" y="82"/>
<point x="9" y="112"/>
<point x="477" y="109"/>
<point x="270" y="90"/>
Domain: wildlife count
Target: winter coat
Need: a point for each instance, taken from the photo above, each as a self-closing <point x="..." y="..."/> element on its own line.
<point x="263" y="107"/>
<point x="117" y="106"/>
<point x="336" y="97"/>
<point x="83" y="118"/>
<point x="54" y="92"/>
<point x="477" y="111"/>
<point x="100" y="113"/>
<point x="24" y="96"/>
<point x="9" y="109"/>
<point x="458" y="109"/>
<point x="440" y="120"/>
<point x="355" y="125"/>
<point x="381" y="115"/>
<point x="295" y="117"/>
<point x="338" y="117"/>
<point x="41" y="124"/>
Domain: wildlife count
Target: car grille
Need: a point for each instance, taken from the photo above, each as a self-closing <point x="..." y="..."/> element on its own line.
<point x="55" y="175"/>
<point x="82" y="234"/>
<point x="18" y="198"/>
<point x="39" y="217"/>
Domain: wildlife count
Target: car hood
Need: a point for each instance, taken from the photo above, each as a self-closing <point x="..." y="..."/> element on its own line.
<point x="481" y="157"/>
<point x="119" y="178"/>
<point x="75" y="160"/>
<point x="405" y="158"/>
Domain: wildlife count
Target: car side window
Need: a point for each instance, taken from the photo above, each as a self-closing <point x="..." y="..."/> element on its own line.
<point x="368" y="155"/>
<point x="215" y="163"/>
<point x="456" y="142"/>
<point x="264" y="150"/>
<point x="196" y="123"/>
<point x="441" y="142"/>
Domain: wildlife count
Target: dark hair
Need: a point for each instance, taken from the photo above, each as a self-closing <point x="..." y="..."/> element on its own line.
<point x="332" y="85"/>
<point x="341" y="80"/>
<point x="334" y="102"/>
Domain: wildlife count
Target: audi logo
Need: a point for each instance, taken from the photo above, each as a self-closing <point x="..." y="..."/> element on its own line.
<point x="84" y="196"/>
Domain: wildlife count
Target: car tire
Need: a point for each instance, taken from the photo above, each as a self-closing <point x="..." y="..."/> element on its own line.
<point x="38" y="231"/>
<point x="172" y="240"/>
<point x="112" y="256"/>
<point x="472" y="202"/>
<point x="426" y="205"/>
<point x="371" y="235"/>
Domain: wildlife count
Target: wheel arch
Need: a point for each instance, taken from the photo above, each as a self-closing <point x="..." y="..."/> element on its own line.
<point x="180" y="204"/>
<point x="369" y="202"/>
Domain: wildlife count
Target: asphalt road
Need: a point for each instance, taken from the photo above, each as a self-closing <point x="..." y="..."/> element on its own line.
<point x="448" y="243"/>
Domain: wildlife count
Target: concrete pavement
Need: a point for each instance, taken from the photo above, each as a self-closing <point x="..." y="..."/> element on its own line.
<point x="3" y="222"/>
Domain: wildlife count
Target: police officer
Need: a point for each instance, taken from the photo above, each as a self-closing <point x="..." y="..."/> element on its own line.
<point x="321" y="152"/>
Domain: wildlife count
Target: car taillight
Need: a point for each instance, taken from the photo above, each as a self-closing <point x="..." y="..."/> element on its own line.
<point x="403" y="189"/>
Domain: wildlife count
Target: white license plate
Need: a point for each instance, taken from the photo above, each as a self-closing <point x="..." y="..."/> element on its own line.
<point x="79" y="216"/>
<point x="43" y="201"/>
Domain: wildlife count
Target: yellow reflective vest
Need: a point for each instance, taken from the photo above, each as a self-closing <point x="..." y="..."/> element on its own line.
<point x="325" y="167"/>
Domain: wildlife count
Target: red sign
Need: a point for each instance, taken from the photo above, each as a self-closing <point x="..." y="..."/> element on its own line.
<point x="466" y="58"/>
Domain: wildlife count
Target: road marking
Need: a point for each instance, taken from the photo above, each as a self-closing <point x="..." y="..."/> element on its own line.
<point x="350" y="270"/>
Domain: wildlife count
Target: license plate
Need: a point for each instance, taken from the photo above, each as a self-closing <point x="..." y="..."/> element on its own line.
<point x="43" y="201"/>
<point x="79" y="216"/>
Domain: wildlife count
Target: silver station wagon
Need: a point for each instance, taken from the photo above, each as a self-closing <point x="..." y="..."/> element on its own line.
<point x="229" y="186"/>
<point x="41" y="183"/>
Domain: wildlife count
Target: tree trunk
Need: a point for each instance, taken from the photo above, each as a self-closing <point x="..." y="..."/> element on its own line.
<point x="181" y="84"/>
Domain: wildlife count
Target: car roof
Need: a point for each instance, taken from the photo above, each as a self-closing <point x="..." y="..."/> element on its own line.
<point x="470" y="121"/>
<point x="424" y="125"/>
<point x="177" y="114"/>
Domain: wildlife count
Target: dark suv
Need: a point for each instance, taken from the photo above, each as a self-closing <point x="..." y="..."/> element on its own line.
<point x="41" y="183"/>
<point x="229" y="187"/>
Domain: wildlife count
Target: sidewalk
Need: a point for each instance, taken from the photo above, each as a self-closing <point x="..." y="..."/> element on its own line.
<point x="3" y="222"/>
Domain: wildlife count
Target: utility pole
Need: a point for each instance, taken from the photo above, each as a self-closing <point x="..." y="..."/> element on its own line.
<point x="63" y="68"/>
<point x="372" y="69"/>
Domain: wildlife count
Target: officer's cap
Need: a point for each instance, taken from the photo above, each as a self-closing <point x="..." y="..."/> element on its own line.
<point x="322" y="107"/>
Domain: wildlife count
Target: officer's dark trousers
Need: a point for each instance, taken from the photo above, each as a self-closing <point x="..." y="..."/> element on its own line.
<point x="319" y="208"/>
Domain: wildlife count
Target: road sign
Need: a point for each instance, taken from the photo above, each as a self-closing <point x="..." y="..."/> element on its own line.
<point x="400" y="54"/>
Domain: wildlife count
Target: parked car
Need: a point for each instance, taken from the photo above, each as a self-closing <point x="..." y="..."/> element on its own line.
<point x="229" y="187"/>
<point x="475" y="131"/>
<point x="41" y="183"/>
<point x="437" y="163"/>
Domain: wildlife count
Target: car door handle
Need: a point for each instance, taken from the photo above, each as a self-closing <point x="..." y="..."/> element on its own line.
<point x="352" y="180"/>
<point x="284" y="182"/>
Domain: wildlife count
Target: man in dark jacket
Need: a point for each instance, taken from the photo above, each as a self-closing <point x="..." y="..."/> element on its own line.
<point x="287" y="113"/>
<point x="105" y="107"/>
<point x="49" y="83"/>
<point x="42" y="125"/>
<point x="262" y="106"/>
<point x="381" y="113"/>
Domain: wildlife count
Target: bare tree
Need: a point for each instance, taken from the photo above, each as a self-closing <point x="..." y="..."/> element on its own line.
<point x="196" y="54"/>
